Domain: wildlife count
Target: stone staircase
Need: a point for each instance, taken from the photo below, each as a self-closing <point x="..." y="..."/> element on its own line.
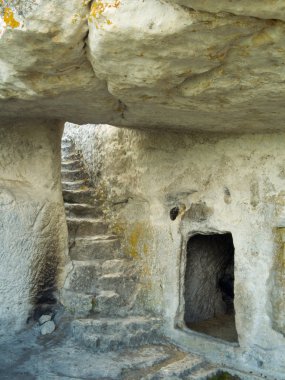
<point x="100" y="287"/>
<point x="191" y="367"/>
<point x="109" y="334"/>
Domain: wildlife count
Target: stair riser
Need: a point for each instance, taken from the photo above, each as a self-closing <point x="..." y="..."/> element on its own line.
<point x="118" y="265"/>
<point x="122" y="327"/>
<point x="67" y="145"/>
<point x="87" y="279"/>
<point x="104" y="345"/>
<point x="76" y="185"/>
<point x="84" y="229"/>
<point x="72" y="165"/>
<point x="124" y="286"/>
<point x="206" y="376"/>
<point x="85" y="249"/>
<point x="77" y="197"/>
<point x="78" y="304"/>
<point x="78" y="210"/>
<point x="84" y="279"/>
<point x="73" y="175"/>
<point x="115" y="342"/>
<point x="108" y="306"/>
<point x="70" y="154"/>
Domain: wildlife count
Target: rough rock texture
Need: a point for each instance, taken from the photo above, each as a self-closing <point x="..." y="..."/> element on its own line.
<point x="57" y="357"/>
<point x="176" y="64"/>
<point x="102" y="281"/>
<point x="224" y="184"/>
<point x="33" y="235"/>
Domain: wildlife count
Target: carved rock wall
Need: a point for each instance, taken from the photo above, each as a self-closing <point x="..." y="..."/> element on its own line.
<point x="221" y="184"/>
<point x="32" y="227"/>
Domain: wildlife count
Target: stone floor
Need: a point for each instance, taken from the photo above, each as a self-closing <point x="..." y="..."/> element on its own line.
<point x="222" y="327"/>
<point x="30" y="356"/>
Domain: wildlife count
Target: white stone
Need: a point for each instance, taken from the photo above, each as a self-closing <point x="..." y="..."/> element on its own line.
<point x="47" y="328"/>
<point x="44" y="318"/>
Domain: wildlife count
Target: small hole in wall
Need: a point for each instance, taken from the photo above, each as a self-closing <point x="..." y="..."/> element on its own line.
<point x="209" y="286"/>
<point x="174" y="213"/>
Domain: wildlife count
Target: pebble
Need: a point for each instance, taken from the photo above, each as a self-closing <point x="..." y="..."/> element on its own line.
<point x="47" y="328"/>
<point x="44" y="318"/>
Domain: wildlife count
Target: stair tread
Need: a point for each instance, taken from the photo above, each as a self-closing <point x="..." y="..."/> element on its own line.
<point x="70" y="161"/>
<point x="182" y="367"/>
<point x="84" y="219"/>
<point x="77" y="191"/>
<point x="71" y="171"/>
<point x="80" y="205"/>
<point x="111" y="321"/>
<point x="81" y="263"/>
<point x="115" y="275"/>
<point x="107" y="293"/>
<point x="77" y="181"/>
<point x="203" y="372"/>
<point x="99" y="238"/>
<point x="101" y="261"/>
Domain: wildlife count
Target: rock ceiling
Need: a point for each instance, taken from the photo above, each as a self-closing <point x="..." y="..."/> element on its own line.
<point x="176" y="64"/>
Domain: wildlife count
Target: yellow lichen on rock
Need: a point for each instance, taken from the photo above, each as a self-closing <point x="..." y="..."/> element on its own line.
<point x="135" y="239"/>
<point x="9" y="18"/>
<point x="98" y="8"/>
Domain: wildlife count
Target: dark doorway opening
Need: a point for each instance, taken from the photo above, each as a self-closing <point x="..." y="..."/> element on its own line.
<point x="209" y="286"/>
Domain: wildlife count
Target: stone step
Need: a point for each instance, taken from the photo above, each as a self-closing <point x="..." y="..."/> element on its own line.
<point x="113" y="325"/>
<point x="80" y="184"/>
<point x="124" y="283"/>
<point x="207" y="371"/>
<point x="105" y="303"/>
<point x="77" y="304"/>
<point x="74" y="175"/>
<point x="72" y="165"/>
<point x="82" y="210"/>
<point x="105" y="334"/>
<point x="88" y="277"/>
<point x="78" y="196"/>
<point x="179" y="369"/>
<point x="109" y="303"/>
<point x="70" y="154"/>
<point x="82" y="227"/>
<point x="98" y="247"/>
<point x="118" y="265"/>
<point x="84" y="277"/>
<point x="67" y="144"/>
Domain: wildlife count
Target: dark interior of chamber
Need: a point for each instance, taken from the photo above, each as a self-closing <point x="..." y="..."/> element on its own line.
<point x="209" y="286"/>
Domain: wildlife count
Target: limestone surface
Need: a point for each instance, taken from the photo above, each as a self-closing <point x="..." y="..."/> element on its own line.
<point x="220" y="184"/>
<point x="33" y="233"/>
<point x="177" y="64"/>
<point x="52" y="357"/>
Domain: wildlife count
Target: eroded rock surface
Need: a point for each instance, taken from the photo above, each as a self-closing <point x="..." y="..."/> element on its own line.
<point x="177" y="64"/>
<point x="226" y="184"/>
<point x="33" y="234"/>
